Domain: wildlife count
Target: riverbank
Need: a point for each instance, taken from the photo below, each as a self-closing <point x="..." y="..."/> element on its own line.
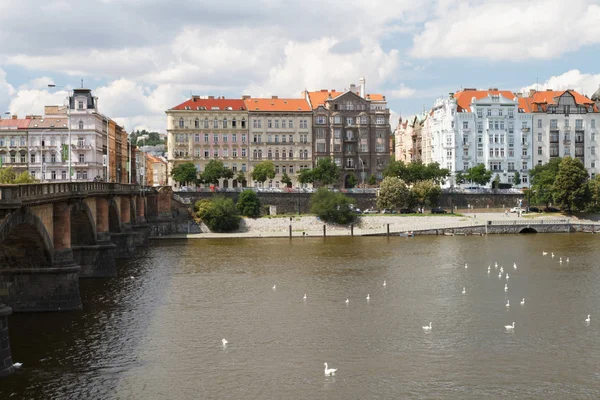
<point x="311" y="226"/>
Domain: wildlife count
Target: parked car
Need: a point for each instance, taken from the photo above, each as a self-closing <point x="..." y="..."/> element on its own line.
<point x="534" y="209"/>
<point x="517" y="210"/>
<point x="438" y="210"/>
<point x="407" y="211"/>
<point x="551" y="209"/>
<point x="370" y="211"/>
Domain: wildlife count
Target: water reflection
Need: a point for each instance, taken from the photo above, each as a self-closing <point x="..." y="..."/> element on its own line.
<point x="159" y="335"/>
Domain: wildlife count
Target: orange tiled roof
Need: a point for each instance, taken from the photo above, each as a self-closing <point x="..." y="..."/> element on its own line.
<point x="540" y="99"/>
<point x="375" y="97"/>
<point x="277" y="104"/>
<point x="15" y="123"/>
<point x="525" y="104"/>
<point x="222" y="104"/>
<point x="463" y="97"/>
<point x="318" y="98"/>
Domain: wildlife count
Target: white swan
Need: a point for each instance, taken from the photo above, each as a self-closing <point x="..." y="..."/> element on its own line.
<point x="384" y="283"/>
<point x="523" y="301"/>
<point x="560" y="260"/>
<point x="17" y="365"/>
<point x="464" y="291"/>
<point x="567" y="260"/>
<point x="507" y="303"/>
<point x="510" y="327"/>
<point x="544" y="253"/>
<point x="368" y="297"/>
<point x="501" y="270"/>
<point x="347" y="301"/>
<point x="588" y="319"/>
<point x="427" y="328"/>
<point x="506" y="287"/>
<point x="304" y="296"/>
<point x="507" y="276"/>
<point x="274" y="287"/>
<point x="496" y="265"/>
<point x="515" y="265"/>
<point x="466" y="266"/>
<point x="500" y="275"/>
<point x="224" y="341"/>
<point x="329" y="371"/>
<point x="552" y="255"/>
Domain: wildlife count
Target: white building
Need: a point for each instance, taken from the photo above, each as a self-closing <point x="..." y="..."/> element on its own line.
<point x="472" y="127"/>
<point x="565" y="124"/>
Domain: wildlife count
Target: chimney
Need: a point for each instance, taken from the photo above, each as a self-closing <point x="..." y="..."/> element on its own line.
<point x="274" y="97"/>
<point x="362" y="87"/>
<point x="211" y="97"/>
<point x="14" y="117"/>
<point x="246" y="97"/>
<point x="531" y="92"/>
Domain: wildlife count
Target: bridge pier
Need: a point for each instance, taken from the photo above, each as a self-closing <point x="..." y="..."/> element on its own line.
<point x="98" y="260"/>
<point x="6" y="364"/>
<point x="124" y="242"/>
<point x="141" y="235"/>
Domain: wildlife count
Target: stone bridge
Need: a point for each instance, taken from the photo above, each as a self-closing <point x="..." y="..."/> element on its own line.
<point x="52" y="234"/>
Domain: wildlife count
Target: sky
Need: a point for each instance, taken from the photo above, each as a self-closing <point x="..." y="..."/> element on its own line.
<point x="142" y="57"/>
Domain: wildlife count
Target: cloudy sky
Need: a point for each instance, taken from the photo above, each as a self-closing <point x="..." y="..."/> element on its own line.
<point x="142" y="57"/>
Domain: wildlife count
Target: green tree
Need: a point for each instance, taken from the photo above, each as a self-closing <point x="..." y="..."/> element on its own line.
<point x="263" y="171"/>
<point x="393" y="192"/>
<point x="594" y="192"/>
<point x="459" y="177"/>
<point x="426" y="193"/>
<point x="220" y="216"/>
<point x="152" y="140"/>
<point x="416" y="171"/>
<point x="496" y="182"/>
<point x="215" y="170"/>
<point x="185" y="173"/>
<point x="351" y="180"/>
<point x="571" y="190"/>
<point x="542" y="181"/>
<point x="240" y="177"/>
<point x="248" y="204"/>
<point x="9" y="176"/>
<point x="372" y="180"/>
<point x="286" y="180"/>
<point x="326" y="172"/>
<point x="201" y="207"/>
<point x="478" y="175"/>
<point x="517" y="178"/>
<point x="396" y="168"/>
<point x="332" y="207"/>
<point x="306" y="176"/>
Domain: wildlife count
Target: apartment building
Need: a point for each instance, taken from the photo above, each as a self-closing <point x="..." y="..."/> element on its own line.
<point x="280" y="131"/>
<point x="208" y="128"/>
<point x="565" y="123"/>
<point x="408" y="139"/>
<point x="353" y="128"/>
<point x="489" y="127"/>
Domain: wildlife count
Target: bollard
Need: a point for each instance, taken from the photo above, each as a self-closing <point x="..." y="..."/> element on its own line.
<point x="290" y="231"/>
<point x="324" y="230"/>
<point x="388" y="229"/>
<point x="352" y="230"/>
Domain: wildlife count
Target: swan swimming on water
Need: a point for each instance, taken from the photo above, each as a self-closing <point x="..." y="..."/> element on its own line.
<point x="506" y="287"/>
<point x="274" y="287"/>
<point x="501" y="270"/>
<point x="552" y="255"/>
<point x="329" y="371"/>
<point x="304" y="296"/>
<point x="384" y="283"/>
<point x="464" y="291"/>
<point x="496" y="265"/>
<point x="466" y="266"/>
<point x="17" y="365"/>
<point x="515" y="265"/>
<point x="506" y="276"/>
<point x="368" y="297"/>
<point x="523" y="301"/>
<point x="507" y="303"/>
<point x="347" y="301"/>
<point x="588" y="319"/>
<point x="427" y="328"/>
<point x="510" y="327"/>
<point x="224" y="341"/>
<point x="544" y="253"/>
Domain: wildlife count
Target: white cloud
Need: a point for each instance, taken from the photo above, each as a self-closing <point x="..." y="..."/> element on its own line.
<point x="585" y="84"/>
<point x="509" y="29"/>
<point x="32" y="101"/>
<point x="402" y="93"/>
<point x="6" y="92"/>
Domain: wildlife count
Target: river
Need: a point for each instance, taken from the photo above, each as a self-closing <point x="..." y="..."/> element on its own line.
<point x="154" y="332"/>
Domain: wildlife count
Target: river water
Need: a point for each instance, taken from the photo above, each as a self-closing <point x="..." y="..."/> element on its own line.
<point x="155" y="331"/>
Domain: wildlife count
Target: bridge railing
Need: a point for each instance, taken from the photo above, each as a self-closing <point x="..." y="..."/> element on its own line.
<point x="530" y="222"/>
<point x="11" y="193"/>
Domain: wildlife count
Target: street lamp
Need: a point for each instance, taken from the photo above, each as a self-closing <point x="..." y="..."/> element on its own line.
<point x="363" y="171"/>
<point x="51" y="85"/>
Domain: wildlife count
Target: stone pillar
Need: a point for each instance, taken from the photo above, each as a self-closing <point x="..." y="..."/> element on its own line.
<point x="141" y="228"/>
<point x="98" y="260"/>
<point x="61" y="219"/>
<point x="125" y="210"/>
<point x="141" y="209"/>
<point x="6" y="364"/>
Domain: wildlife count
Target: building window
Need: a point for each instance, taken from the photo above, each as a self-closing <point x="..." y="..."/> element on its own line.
<point x="215" y="138"/>
<point x="479" y="113"/>
<point x="566" y="123"/>
<point x="53" y="157"/>
<point x="206" y="138"/>
<point x="84" y="174"/>
<point x="205" y="123"/>
<point x="578" y="124"/>
<point x="593" y="123"/>
<point x="269" y="123"/>
<point x="465" y="125"/>
<point x="593" y="136"/>
<point x="32" y="158"/>
<point x="283" y="124"/>
<point x="500" y="112"/>
<point x="553" y="124"/>
<point x="82" y="158"/>
<point x="539" y="150"/>
<point x="243" y="152"/>
<point x="224" y="123"/>
<point x="489" y="112"/>
<point x="234" y="138"/>
<point x="234" y="152"/>
<point x="80" y="105"/>
<point x="197" y="123"/>
<point x="243" y="138"/>
<point x="593" y="150"/>
<point x="320" y="120"/>
<point x="244" y="122"/>
<point x="277" y="123"/>
<point x="53" y="175"/>
<point x="225" y="138"/>
<point x="524" y="152"/>
<point x="180" y="123"/>
<point x="215" y="123"/>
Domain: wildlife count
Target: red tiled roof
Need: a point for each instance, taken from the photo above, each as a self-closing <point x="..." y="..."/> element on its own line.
<point x="15" y="123"/>
<point x="220" y="104"/>
<point x="277" y="104"/>
<point x="318" y="98"/>
<point x="539" y="100"/>
<point x="463" y="97"/>
<point x="525" y="104"/>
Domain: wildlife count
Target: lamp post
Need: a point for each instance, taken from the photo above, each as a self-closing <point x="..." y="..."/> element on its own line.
<point x="452" y="194"/>
<point x="68" y="125"/>
<point x="363" y="171"/>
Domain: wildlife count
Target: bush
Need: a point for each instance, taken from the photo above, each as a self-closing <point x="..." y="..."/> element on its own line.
<point x="332" y="207"/>
<point x="248" y="204"/>
<point x="220" y="214"/>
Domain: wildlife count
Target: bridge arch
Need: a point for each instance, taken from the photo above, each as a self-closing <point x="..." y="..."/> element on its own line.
<point x="114" y="219"/>
<point x="528" y="230"/>
<point x="83" y="225"/>
<point x="25" y="242"/>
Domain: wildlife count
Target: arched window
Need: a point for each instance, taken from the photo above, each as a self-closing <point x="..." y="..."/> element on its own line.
<point x="243" y="122"/>
<point x="255" y="153"/>
<point x="277" y="154"/>
<point x="205" y="123"/>
<point x="224" y="123"/>
<point x="215" y="123"/>
<point x="233" y="123"/>
<point x="269" y="154"/>
<point x="80" y="124"/>
<point x="306" y="154"/>
<point x="259" y="154"/>
<point x="291" y="154"/>
<point x="197" y="123"/>
<point x="283" y="154"/>
<point x="181" y="122"/>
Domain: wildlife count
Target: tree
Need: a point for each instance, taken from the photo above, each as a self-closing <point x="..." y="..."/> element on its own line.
<point x="184" y="173"/>
<point x="426" y="193"/>
<point x="393" y="192"/>
<point x="542" y="181"/>
<point x="332" y="207"/>
<point x="496" y="182"/>
<point x="248" y="204"/>
<point x="9" y="176"/>
<point x="396" y="168"/>
<point x="263" y="171"/>
<point x="214" y="171"/>
<point x="594" y="191"/>
<point x="416" y="171"/>
<point x="479" y="175"/>
<point x="240" y="177"/>
<point x="351" y="180"/>
<point x="325" y="173"/>
<point x="286" y="180"/>
<point x="571" y="190"/>
<point x="517" y="178"/>
<point x="306" y="176"/>
<point x="220" y="215"/>
<point x="372" y="180"/>
<point x="152" y="140"/>
<point x="459" y="177"/>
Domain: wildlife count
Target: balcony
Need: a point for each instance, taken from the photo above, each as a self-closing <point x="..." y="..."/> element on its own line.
<point x="349" y="139"/>
<point x="524" y="129"/>
<point x="579" y="139"/>
<point x="350" y="167"/>
<point x="525" y="157"/>
<point x="554" y="139"/>
<point x="567" y="142"/>
<point x="82" y="146"/>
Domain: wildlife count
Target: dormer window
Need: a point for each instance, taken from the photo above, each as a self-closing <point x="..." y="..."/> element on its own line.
<point x="80" y="104"/>
<point x="80" y="124"/>
<point x="181" y="122"/>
